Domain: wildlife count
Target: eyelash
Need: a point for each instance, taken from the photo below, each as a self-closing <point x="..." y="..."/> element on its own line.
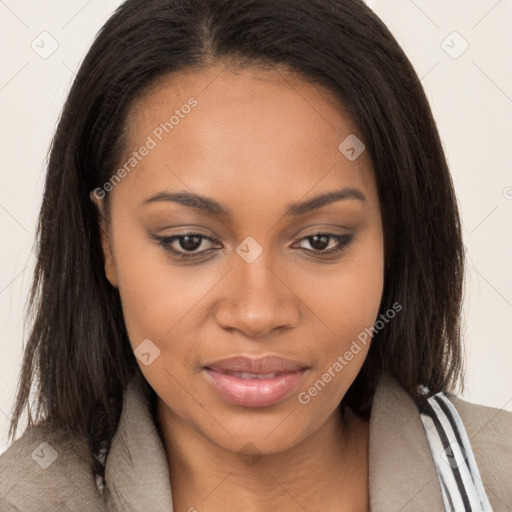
<point x="166" y="241"/>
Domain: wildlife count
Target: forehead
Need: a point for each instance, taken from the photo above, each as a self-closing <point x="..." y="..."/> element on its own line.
<point x="268" y="134"/>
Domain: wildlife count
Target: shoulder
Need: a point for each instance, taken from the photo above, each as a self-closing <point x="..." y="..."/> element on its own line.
<point x="48" y="470"/>
<point x="489" y="432"/>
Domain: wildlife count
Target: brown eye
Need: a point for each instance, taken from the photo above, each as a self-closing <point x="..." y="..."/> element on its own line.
<point x="319" y="242"/>
<point x="184" y="245"/>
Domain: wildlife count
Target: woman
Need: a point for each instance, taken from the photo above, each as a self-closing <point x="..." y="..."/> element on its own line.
<point x="249" y="278"/>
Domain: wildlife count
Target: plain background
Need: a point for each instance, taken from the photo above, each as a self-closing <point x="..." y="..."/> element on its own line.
<point x="470" y="91"/>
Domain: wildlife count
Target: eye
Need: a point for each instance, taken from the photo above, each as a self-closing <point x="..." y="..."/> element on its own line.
<point x="319" y="242"/>
<point x="184" y="245"/>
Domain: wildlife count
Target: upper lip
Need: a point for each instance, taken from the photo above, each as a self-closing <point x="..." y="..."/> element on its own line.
<point x="267" y="364"/>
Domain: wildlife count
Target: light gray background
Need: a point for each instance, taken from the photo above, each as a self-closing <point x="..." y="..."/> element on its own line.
<point x="471" y="96"/>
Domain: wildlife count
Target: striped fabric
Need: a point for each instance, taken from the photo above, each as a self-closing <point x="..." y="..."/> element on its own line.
<point x="455" y="463"/>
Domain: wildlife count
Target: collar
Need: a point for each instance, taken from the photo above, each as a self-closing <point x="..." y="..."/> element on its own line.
<point x="401" y="468"/>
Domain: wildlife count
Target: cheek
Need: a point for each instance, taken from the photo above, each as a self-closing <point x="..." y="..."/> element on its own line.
<point x="159" y="302"/>
<point x="347" y="308"/>
<point x="157" y="296"/>
<point x="346" y="297"/>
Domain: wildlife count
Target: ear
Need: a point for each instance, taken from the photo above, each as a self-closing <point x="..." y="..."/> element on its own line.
<point x="106" y="243"/>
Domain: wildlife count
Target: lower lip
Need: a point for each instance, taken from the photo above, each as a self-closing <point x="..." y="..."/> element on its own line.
<point x="254" y="392"/>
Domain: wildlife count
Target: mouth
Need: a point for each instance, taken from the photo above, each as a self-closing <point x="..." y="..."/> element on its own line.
<point x="249" y="375"/>
<point x="250" y="382"/>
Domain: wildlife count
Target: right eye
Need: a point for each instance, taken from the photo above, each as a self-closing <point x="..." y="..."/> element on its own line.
<point x="184" y="245"/>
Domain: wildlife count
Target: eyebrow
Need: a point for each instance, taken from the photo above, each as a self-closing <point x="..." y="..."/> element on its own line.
<point x="209" y="205"/>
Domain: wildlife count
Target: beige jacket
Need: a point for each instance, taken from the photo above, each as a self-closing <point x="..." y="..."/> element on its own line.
<point x="401" y="470"/>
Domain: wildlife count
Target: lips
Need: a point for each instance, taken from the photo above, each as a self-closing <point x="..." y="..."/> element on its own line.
<point x="250" y="382"/>
<point x="265" y="365"/>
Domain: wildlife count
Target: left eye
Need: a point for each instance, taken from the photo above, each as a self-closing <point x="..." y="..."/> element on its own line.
<point x="188" y="242"/>
<point x="320" y="242"/>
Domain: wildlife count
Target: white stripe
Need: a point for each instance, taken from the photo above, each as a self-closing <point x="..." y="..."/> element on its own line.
<point x="446" y="478"/>
<point x="465" y="462"/>
<point x="477" y="485"/>
<point x="460" y="456"/>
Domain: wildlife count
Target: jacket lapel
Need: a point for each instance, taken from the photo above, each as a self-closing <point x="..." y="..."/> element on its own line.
<point x="137" y="471"/>
<point x="401" y="469"/>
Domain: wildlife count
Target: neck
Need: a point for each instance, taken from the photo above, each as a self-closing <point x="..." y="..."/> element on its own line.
<point x="326" y="471"/>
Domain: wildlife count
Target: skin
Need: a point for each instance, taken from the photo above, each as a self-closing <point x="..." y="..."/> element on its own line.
<point x="256" y="141"/>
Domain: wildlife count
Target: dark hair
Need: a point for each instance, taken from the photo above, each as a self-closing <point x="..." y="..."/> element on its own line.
<point x="78" y="347"/>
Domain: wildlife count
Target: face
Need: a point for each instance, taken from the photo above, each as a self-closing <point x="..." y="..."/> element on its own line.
<point x="244" y="296"/>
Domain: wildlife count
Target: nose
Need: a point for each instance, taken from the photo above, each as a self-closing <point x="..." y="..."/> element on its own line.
<point x="257" y="299"/>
